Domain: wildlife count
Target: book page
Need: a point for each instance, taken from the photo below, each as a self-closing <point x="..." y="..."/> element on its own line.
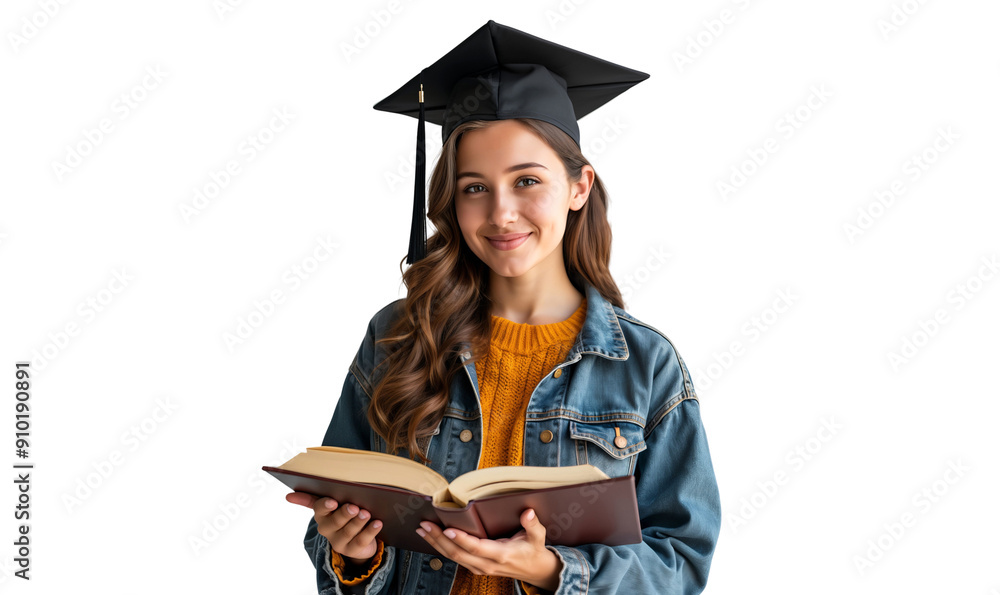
<point x="506" y="478"/>
<point x="363" y="466"/>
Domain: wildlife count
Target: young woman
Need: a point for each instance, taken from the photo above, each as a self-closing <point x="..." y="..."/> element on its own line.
<point x="512" y="347"/>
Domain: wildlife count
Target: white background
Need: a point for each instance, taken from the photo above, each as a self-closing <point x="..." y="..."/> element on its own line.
<point x="698" y="263"/>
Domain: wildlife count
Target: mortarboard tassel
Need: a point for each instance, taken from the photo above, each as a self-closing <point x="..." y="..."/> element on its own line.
<point x="418" y="239"/>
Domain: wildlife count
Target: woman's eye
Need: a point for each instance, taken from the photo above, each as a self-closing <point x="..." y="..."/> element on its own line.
<point x="523" y="182"/>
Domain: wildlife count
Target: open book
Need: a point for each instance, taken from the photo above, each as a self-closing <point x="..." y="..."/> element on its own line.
<point x="577" y="504"/>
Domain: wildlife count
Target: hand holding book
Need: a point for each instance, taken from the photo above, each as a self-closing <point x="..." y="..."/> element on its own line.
<point x="522" y="556"/>
<point x="345" y="527"/>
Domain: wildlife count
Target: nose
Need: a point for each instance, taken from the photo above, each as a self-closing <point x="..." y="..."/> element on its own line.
<point x="503" y="208"/>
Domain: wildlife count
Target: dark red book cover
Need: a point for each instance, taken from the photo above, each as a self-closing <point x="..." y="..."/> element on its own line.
<point x="603" y="511"/>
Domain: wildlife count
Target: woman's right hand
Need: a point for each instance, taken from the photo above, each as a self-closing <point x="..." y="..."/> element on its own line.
<point x="346" y="527"/>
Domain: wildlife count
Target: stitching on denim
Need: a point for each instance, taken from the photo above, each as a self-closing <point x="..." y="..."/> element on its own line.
<point x="558" y="551"/>
<point x="649" y="326"/>
<point x="585" y="572"/>
<point x="610" y="316"/>
<point x="589" y="433"/>
<point x="461" y="413"/>
<point x="359" y="376"/>
<point x="406" y="567"/>
<point x="670" y="406"/>
<point x="663" y="409"/>
<point x="610" y="448"/>
<point x="688" y="384"/>
<point x="570" y="414"/>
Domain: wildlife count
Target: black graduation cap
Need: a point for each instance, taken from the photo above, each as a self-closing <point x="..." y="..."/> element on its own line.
<point x="498" y="73"/>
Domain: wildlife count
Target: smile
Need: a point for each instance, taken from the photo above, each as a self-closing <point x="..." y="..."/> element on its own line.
<point x="508" y="244"/>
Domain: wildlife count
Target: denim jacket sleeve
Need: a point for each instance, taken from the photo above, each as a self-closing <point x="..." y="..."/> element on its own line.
<point x="679" y="508"/>
<point x="349" y="428"/>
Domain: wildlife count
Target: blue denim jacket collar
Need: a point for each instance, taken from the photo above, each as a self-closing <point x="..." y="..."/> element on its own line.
<point x="601" y="334"/>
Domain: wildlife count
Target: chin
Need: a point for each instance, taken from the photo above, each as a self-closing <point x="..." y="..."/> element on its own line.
<point x="505" y="269"/>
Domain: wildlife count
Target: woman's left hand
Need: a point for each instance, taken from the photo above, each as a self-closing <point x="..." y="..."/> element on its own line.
<point x="522" y="556"/>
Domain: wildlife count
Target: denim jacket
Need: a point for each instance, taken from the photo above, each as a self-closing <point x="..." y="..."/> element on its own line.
<point x="620" y="373"/>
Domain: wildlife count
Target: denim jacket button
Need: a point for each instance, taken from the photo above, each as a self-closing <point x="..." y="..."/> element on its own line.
<point x="557" y="373"/>
<point x="465" y="436"/>
<point x="620" y="441"/>
<point x="546" y="436"/>
<point x="436" y="564"/>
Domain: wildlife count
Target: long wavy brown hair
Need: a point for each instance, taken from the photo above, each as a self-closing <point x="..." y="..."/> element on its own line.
<point x="447" y="307"/>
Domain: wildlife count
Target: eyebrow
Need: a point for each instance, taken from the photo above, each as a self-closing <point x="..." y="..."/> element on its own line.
<point x="519" y="166"/>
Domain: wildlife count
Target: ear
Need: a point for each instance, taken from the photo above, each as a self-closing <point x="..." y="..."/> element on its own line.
<point x="580" y="190"/>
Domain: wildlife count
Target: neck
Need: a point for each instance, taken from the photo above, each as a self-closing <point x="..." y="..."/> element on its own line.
<point x="534" y="300"/>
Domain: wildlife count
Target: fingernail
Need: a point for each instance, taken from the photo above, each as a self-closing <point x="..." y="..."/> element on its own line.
<point x="450" y="533"/>
<point x="364" y="514"/>
<point x="352" y="509"/>
<point x="426" y="526"/>
<point x="531" y="514"/>
<point x="329" y="504"/>
<point x="377" y="524"/>
<point x="420" y="532"/>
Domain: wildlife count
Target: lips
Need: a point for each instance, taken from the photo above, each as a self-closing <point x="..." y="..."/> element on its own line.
<point x="507" y="236"/>
<point x="507" y="241"/>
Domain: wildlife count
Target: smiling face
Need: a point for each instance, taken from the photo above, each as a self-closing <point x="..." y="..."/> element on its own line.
<point x="512" y="197"/>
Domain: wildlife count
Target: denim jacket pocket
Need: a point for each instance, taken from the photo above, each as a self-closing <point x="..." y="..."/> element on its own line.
<point x="611" y="446"/>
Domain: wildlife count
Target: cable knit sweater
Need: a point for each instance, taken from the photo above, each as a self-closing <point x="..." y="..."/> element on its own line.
<point x="520" y="356"/>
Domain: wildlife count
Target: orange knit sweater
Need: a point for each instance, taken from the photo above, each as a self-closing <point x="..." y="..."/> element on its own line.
<point x="520" y="356"/>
